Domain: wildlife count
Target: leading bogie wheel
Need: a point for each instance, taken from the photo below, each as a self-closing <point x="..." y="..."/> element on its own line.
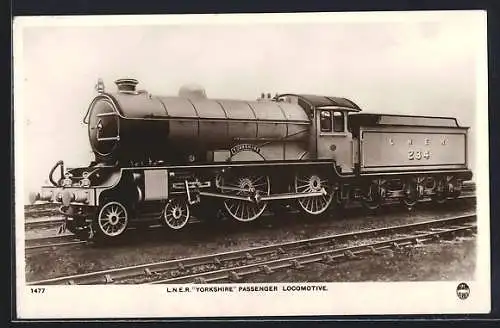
<point x="314" y="182"/>
<point x="112" y="219"/>
<point x="176" y="213"/>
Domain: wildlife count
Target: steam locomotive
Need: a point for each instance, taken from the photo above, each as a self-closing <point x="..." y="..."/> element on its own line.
<point x="167" y="157"/>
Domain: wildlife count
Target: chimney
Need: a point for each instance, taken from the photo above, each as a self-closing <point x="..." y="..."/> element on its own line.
<point x="126" y="85"/>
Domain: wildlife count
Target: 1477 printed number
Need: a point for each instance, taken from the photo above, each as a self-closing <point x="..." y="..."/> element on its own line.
<point x="37" y="290"/>
<point x="418" y="155"/>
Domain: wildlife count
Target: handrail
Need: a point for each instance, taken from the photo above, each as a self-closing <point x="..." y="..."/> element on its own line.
<point x="51" y="178"/>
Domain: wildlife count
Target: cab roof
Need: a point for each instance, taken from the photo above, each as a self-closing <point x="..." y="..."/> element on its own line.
<point x="318" y="101"/>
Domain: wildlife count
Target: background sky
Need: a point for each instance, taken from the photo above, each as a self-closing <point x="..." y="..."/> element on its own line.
<point x="423" y="65"/>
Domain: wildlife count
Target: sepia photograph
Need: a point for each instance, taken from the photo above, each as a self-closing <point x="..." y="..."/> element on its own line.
<point x="242" y="165"/>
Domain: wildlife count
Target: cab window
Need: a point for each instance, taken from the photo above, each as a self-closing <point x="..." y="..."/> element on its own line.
<point x="338" y="121"/>
<point x="325" y="121"/>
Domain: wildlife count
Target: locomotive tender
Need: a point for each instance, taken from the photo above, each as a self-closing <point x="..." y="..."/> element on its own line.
<point x="168" y="156"/>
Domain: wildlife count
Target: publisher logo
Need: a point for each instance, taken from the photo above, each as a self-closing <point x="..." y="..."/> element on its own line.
<point x="463" y="291"/>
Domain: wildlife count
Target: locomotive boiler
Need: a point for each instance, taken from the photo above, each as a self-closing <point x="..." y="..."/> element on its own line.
<point x="167" y="157"/>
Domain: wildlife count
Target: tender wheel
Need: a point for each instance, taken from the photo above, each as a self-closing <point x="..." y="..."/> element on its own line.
<point x="454" y="188"/>
<point x="245" y="211"/>
<point x="411" y="194"/>
<point x="176" y="213"/>
<point x="313" y="183"/>
<point x="373" y="199"/>
<point x="440" y="196"/>
<point x="112" y="219"/>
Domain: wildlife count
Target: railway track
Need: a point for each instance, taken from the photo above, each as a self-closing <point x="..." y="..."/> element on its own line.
<point x="43" y="223"/>
<point x="234" y="265"/>
<point x="46" y="243"/>
<point x="41" y="210"/>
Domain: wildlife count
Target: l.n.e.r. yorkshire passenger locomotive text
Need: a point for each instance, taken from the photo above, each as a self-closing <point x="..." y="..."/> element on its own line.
<point x="247" y="288"/>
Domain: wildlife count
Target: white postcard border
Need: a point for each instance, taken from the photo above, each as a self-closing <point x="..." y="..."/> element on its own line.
<point x="64" y="302"/>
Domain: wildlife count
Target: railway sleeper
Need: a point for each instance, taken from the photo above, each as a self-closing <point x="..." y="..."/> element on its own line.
<point x="266" y="269"/>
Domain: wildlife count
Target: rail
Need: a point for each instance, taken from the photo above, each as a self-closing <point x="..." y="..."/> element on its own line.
<point x="44" y="243"/>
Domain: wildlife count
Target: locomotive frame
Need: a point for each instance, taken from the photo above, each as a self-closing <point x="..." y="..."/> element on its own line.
<point x="320" y="151"/>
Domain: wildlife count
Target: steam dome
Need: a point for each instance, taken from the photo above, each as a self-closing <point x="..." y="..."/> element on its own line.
<point x="195" y="91"/>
